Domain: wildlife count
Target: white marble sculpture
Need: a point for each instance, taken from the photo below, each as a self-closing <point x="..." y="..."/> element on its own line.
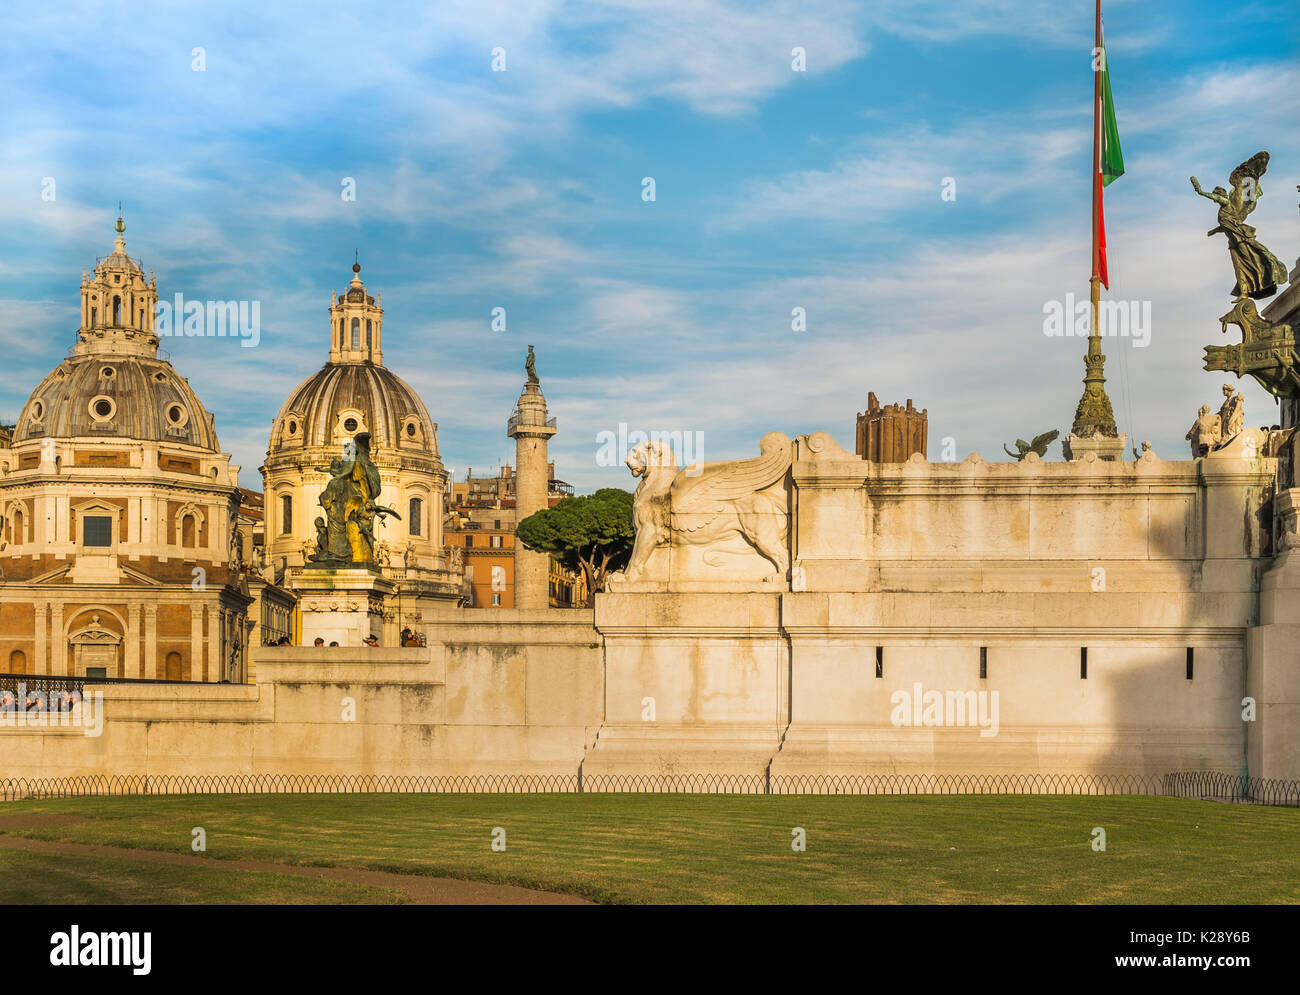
<point x="1232" y="416"/>
<point x="1214" y="431"/>
<point x="707" y="504"/>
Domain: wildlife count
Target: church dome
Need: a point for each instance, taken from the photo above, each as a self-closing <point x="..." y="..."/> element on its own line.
<point x="343" y="399"/>
<point x="118" y="397"/>
<point x="354" y="392"/>
<point x="115" y="385"/>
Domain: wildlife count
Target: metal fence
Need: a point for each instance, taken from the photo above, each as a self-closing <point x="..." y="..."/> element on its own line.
<point x="1209" y="785"/>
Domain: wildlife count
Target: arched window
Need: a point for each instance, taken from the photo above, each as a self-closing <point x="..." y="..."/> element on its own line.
<point x="173" y="672"/>
<point x="356" y="333"/>
<point x="17" y="538"/>
<point x="369" y="340"/>
<point x="286" y="514"/>
<point x="94" y="317"/>
<point x="187" y="531"/>
<point x="117" y="310"/>
<point x="416" y="516"/>
<point x="17" y="662"/>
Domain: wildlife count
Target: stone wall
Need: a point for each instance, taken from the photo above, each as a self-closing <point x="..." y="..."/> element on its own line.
<point x="495" y="691"/>
<point x="907" y="577"/>
<point x="935" y="618"/>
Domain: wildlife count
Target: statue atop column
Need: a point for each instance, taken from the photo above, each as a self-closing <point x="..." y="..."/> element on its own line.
<point x="530" y="367"/>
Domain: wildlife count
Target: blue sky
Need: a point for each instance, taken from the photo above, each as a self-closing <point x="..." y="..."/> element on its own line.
<point x="775" y="189"/>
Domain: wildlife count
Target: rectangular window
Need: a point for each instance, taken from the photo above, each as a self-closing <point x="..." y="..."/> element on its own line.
<point x="97" y="530"/>
<point x="415" y="516"/>
<point x="1083" y="663"/>
<point x="496" y="601"/>
<point x="286" y="514"/>
<point x="497" y="524"/>
<point x="880" y="661"/>
<point x="96" y="671"/>
<point x="469" y="542"/>
<point x="984" y="663"/>
<point x="495" y="542"/>
<point x="1191" y="653"/>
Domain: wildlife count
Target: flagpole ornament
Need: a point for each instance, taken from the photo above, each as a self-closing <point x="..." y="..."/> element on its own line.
<point x="1258" y="271"/>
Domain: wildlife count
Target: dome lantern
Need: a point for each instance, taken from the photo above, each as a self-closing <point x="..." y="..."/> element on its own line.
<point x="118" y="305"/>
<point x="356" y="324"/>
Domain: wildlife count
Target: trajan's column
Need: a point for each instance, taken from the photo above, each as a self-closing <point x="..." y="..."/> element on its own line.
<point x="530" y="428"/>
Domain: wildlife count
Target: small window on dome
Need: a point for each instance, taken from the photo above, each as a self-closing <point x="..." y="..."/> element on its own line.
<point x="160" y="376"/>
<point x="38" y="410"/>
<point x="107" y="372"/>
<point x="293" y="428"/>
<point x="176" y="415"/>
<point x="102" y="408"/>
<point x="410" y="429"/>
<point x="350" y="425"/>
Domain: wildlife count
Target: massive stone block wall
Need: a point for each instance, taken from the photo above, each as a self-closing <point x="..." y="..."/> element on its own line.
<point x="906" y="578"/>
<point x="495" y="691"/>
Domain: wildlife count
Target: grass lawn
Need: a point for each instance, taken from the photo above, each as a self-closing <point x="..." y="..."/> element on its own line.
<point x="719" y="848"/>
<point x="73" y="879"/>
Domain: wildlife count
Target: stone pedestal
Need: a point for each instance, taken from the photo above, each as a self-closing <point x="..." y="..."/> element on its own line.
<point x="343" y="605"/>
<point x="1273" y="652"/>
<point x="1106" y="447"/>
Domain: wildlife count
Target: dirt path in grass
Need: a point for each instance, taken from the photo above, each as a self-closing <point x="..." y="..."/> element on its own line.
<point x="419" y="890"/>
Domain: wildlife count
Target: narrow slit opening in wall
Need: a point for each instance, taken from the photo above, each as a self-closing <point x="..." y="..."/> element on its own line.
<point x="984" y="663"/>
<point x="880" y="661"/>
<point x="1191" y="655"/>
<point x="1083" y="663"/>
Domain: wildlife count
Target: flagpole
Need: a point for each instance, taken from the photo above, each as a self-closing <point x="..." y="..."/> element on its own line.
<point x="1094" y="336"/>
<point x="1094" y="414"/>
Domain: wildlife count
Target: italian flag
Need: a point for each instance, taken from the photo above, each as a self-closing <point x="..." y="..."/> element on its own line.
<point x="1110" y="159"/>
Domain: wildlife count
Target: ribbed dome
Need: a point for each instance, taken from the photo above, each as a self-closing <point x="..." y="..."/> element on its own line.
<point x="319" y="410"/>
<point x="114" y="396"/>
<point x="119" y="260"/>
